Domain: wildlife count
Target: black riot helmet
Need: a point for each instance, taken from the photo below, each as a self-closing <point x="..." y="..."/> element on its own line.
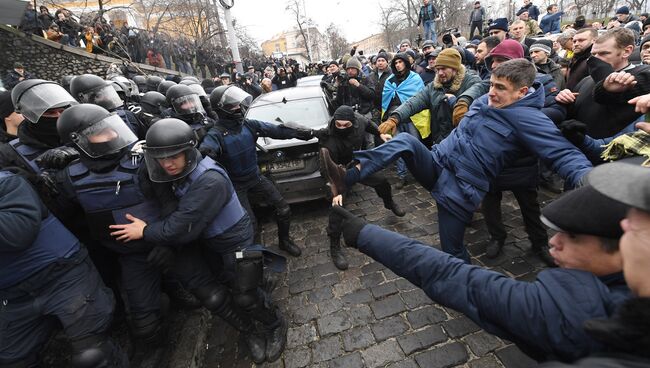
<point x="184" y="101"/>
<point x="189" y="78"/>
<point x="94" y="130"/>
<point x="141" y="82"/>
<point x="152" y="102"/>
<point x="230" y="102"/>
<point x="152" y="82"/>
<point x="134" y="90"/>
<point x="166" y="139"/>
<point x="89" y="88"/>
<point x="34" y="97"/>
<point x="122" y="90"/>
<point x="165" y="85"/>
<point x="65" y="82"/>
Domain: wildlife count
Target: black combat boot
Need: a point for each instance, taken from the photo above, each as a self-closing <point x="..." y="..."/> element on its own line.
<point x="255" y="342"/>
<point x="493" y="248"/>
<point x="276" y="338"/>
<point x="284" y="240"/>
<point x="391" y="205"/>
<point x="336" y="252"/>
<point x="541" y="251"/>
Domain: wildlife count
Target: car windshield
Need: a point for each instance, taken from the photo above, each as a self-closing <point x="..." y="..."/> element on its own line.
<point x="311" y="113"/>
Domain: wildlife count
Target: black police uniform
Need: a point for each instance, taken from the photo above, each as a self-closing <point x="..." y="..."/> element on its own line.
<point x="46" y="277"/>
<point x="105" y="188"/>
<point x="220" y="224"/>
<point x="232" y="143"/>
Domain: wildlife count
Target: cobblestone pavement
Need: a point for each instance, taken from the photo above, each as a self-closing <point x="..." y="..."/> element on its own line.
<point x="369" y="317"/>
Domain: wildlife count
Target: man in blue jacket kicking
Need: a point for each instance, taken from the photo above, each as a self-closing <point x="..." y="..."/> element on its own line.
<point x="545" y="317"/>
<point x="499" y="127"/>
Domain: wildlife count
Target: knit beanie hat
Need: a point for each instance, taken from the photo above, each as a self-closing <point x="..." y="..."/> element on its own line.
<point x="344" y="113"/>
<point x="449" y="58"/>
<point x="540" y="47"/>
<point x="499" y="23"/>
<point x="623" y="10"/>
<point x="509" y="49"/>
<point x="353" y="63"/>
<point x="382" y="55"/>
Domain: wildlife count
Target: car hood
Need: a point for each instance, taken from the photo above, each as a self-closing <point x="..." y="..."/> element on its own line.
<point x="270" y="143"/>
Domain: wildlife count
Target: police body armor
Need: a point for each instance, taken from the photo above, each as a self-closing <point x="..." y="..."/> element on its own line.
<point x="230" y="214"/>
<point x="201" y="128"/>
<point x="238" y="155"/>
<point x="107" y="197"/>
<point x="29" y="154"/>
<point x="53" y="242"/>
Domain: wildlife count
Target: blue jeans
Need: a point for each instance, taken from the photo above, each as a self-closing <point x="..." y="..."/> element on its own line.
<point x="430" y="30"/>
<point x="425" y="170"/>
<point x="405" y="127"/>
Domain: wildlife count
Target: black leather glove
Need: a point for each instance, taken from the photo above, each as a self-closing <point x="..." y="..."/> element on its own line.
<point x="305" y="135"/>
<point x="574" y="131"/>
<point x="351" y="225"/>
<point x="57" y="158"/>
<point x="161" y="257"/>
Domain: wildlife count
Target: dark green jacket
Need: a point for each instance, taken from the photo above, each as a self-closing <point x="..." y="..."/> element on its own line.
<point x="433" y="97"/>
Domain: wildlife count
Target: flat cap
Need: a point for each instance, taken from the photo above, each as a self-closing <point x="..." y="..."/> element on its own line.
<point x="623" y="182"/>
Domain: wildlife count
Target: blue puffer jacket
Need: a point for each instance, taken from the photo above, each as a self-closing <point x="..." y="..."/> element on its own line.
<point x="487" y="140"/>
<point x="545" y="318"/>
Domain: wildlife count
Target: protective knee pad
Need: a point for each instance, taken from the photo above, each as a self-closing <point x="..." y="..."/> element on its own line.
<point x="147" y="328"/>
<point x="97" y="352"/>
<point x="213" y="297"/>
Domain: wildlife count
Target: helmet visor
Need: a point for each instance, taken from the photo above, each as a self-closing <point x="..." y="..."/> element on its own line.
<point x="105" y="137"/>
<point x="34" y="102"/>
<point x="188" y="104"/>
<point x="235" y="98"/>
<point x="105" y="96"/>
<point x="168" y="164"/>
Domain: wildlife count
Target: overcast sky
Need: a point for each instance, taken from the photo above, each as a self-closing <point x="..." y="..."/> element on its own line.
<point x="357" y="19"/>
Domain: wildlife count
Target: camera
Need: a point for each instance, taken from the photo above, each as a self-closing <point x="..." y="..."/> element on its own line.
<point x="447" y="38"/>
<point x="342" y="77"/>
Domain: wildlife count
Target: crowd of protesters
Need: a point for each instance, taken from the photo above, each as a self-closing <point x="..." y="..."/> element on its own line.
<point x="520" y="105"/>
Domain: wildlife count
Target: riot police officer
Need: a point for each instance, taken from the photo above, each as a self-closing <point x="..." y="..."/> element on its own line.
<point x="164" y="86"/>
<point x="104" y="185"/>
<point x="232" y="143"/>
<point x="141" y="82"/>
<point x="45" y="272"/>
<point x="186" y="105"/>
<point x="152" y="82"/>
<point x="151" y="106"/>
<point x="41" y="103"/>
<point x="89" y="88"/>
<point x="221" y="224"/>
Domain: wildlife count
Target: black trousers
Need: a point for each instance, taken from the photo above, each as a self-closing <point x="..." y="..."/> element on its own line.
<point x="381" y="186"/>
<point x="476" y="25"/>
<point x="530" y="211"/>
<point x="267" y="190"/>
